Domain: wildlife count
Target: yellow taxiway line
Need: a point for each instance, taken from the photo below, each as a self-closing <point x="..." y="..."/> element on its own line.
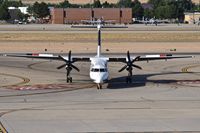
<point x="24" y="80"/>
<point x="2" y="128"/>
<point x="185" y="69"/>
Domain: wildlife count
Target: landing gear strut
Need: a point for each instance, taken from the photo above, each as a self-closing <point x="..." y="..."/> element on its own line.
<point x="99" y="86"/>
<point x="128" y="79"/>
<point x="69" y="66"/>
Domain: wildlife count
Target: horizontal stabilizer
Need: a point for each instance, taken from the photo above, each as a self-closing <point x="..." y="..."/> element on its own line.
<point x="95" y="26"/>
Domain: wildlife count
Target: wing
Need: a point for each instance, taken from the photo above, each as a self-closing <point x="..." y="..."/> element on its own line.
<point x="95" y="26"/>
<point x="49" y="57"/>
<point x="87" y="58"/>
<point x="147" y="57"/>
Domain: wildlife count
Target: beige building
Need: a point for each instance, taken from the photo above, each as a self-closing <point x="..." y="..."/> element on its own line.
<point x="192" y="18"/>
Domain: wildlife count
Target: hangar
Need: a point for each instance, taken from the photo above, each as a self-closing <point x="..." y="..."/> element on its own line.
<point x="75" y="15"/>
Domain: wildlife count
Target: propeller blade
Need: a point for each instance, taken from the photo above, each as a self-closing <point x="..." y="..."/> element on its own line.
<point x="137" y="58"/>
<point x="62" y="58"/>
<point x="69" y="56"/>
<point x="75" y="67"/>
<point x="123" y="68"/>
<point x="128" y="55"/>
<point x="61" y="66"/>
<point x="136" y="66"/>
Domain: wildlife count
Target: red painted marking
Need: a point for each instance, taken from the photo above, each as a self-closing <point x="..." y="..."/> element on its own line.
<point x="34" y="54"/>
<point x="162" y="55"/>
<point x="41" y="87"/>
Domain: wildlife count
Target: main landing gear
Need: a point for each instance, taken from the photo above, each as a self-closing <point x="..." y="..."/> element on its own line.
<point x="69" y="79"/>
<point x="129" y="67"/>
<point x="99" y="86"/>
<point x="69" y="66"/>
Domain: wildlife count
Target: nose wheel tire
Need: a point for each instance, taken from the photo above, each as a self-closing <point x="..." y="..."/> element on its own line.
<point x="99" y="86"/>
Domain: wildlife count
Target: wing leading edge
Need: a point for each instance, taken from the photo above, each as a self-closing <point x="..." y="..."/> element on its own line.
<point x="87" y="58"/>
<point x="148" y="57"/>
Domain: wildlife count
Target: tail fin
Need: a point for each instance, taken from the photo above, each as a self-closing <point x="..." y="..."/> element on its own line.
<point x="99" y="41"/>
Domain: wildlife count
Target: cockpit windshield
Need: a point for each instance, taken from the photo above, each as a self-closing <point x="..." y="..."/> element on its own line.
<point x="98" y="70"/>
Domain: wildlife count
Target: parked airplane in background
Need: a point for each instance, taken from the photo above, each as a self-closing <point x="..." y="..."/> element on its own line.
<point x="98" y="21"/>
<point x="152" y="21"/>
<point x="98" y="68"/>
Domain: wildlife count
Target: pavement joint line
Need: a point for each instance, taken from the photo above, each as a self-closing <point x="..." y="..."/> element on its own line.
<point x="2" y="128"/>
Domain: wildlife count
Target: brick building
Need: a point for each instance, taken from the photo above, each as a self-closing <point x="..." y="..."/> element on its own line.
<point x="75" y="15"/>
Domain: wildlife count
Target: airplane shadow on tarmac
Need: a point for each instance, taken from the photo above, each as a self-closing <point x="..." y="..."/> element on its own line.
<point x="139" y="81"/>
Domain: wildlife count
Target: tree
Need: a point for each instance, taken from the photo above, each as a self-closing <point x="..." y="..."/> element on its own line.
<point x="124" y="3"/>
<point x="64" y="4"/>
<point x="155" y="3"/>
<point x="165" y="12"/>
<point x="171" y="8"/>
<point x="40" y="10"/>
<point x="30" y="10"/>
<point x="137" y="10"/>
<point x="20" y="15"/>
<point x="1" y="1"/>
<point x="15" y="3"/>
<point x="97" y="4"/>
<point x="106" y="5"/>
<point x="148" y="13"/>
<point x="4" y="15"/>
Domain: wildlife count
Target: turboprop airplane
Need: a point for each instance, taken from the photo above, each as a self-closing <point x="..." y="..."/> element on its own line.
<point x="98" y="68"/>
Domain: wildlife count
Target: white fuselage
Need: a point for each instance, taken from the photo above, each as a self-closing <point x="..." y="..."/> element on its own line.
<point x="99" y="70"/>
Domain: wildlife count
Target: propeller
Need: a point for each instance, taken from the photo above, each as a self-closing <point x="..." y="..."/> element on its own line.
<point x="68" y="64"/>
<point x="129" y="64"/>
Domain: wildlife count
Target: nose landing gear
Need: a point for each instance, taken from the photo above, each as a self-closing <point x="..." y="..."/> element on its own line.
<point x="99" y="86"/>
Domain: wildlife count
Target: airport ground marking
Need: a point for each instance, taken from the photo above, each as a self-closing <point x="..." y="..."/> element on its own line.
<point x="194" y="83"/>
<point x="185" y="69"/>
<point x="2" y="128"/>
<point x="50" y="92"/>
<point x="24" y="80"/>
<point x="36" y="63"/>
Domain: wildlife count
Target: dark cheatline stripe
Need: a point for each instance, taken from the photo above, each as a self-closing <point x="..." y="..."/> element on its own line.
<point x="99" y="37"/>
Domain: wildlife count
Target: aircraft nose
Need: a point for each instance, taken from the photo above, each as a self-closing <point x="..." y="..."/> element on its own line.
<point x="100" y="78"/>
